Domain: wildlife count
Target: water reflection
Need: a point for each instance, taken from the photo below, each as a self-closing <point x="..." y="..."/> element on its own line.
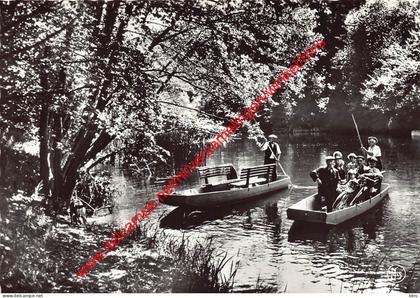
<point x="186" y="219"/>
<point x="302" y="231"/>
<point x="353" y="256"/>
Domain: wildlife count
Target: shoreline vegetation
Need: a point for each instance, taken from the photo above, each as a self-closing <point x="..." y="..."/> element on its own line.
<point x="189" y="265"/>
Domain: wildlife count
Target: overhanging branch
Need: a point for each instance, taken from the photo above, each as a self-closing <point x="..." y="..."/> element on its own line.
<point x="193" y="109"/>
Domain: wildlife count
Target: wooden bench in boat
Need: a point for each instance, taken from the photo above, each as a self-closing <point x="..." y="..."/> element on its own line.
<point x="215" y="171"/>
<point x="254" y="175"/>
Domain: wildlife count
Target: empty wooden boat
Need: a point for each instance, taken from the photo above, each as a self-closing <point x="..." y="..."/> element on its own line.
<point x="252" y="182"/>
<point x="308" y="209"/>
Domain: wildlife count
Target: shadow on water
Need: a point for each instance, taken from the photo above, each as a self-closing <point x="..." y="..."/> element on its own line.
<point x="186" y="218"/>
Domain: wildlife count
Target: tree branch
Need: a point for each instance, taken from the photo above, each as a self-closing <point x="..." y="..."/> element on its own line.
<point x="193" y="109"/>
<point x="101" y="159"/>
<point x="49" y="36"/>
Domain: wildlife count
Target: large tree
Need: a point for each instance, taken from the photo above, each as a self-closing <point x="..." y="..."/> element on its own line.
<point x="394" y="87"/>
<point x="99" y="78"/>
<point x="373" y="30"/>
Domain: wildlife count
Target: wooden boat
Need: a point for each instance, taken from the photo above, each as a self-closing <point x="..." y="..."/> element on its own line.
<point x="252" y="182"/>
<point x="306" y="209"/>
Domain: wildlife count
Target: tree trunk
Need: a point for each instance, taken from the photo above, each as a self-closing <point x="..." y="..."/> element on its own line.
<point x="56" y="158"/>
<point x="76" y="159"/>
<point x="3" y="163"/>
<point x="43" y="149"/>
<point x="84" y="147"/>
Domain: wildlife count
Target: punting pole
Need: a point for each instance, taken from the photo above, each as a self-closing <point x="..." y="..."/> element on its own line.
<point x="281" y="167"/>
<point x="278" y="162"/>
<point x="357" y="130"/>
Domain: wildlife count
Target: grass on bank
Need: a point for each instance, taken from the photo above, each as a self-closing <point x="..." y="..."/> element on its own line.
<point x="34" y="258"/>
<point x="197" y="265"/>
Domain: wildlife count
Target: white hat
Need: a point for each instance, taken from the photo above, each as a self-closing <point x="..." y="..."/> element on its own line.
<point x="338" y="153"/>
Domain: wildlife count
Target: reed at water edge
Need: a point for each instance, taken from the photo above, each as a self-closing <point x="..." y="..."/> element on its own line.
<point x="197" y="266"/>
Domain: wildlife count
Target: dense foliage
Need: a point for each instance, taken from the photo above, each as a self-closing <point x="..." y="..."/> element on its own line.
<point x="140" y="80"/>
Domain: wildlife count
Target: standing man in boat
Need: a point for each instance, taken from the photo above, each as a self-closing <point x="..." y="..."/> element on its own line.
<point x="327" y="178"/>
<point x="272" y="153"/>
<point x="374" y="151"/>
<point x="272" y="150"/>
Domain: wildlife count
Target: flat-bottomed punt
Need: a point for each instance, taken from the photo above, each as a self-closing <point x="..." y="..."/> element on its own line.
<point x="306" y="209"/>
<point x="252" y="182"/>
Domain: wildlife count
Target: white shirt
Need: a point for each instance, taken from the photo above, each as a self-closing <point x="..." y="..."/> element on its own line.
<point x="375" y="150"/>
<point x="265" y="147"/>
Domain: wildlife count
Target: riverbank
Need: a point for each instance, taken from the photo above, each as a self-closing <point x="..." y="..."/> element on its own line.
<point x="41" y="254"/>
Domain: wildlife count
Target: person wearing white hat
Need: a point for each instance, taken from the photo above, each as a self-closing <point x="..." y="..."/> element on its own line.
<point x="339" y="165"/>
<point x="272" y="150"/>
<point x="327" y="179"/>
<point x="352" y="163"/>
<point x="374" y="150"/>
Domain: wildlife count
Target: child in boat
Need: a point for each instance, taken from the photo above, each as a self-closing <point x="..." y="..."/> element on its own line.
<point x="375" y="176"/>
<point x="352" y="162"/>
<point x="371" y="182"/>
<point x="350" y="190"/>
<point x="339" y="166"/>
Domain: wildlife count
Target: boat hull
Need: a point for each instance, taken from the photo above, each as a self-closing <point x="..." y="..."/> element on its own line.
<point x="225" y="197"/>
<point x="304" y="210"/>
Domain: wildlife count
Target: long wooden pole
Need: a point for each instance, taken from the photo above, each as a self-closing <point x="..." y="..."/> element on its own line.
<point x="278" y="162"/>
<point x="357" y="129"/>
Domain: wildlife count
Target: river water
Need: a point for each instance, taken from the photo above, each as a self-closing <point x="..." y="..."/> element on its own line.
<point x="273" y="252"/>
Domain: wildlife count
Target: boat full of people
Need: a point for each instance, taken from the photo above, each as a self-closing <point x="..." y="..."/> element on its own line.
<point x="344" y="190"/>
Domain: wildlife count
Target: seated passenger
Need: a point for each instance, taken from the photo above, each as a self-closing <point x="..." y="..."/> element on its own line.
<point x="339" y="165"/>
<point x="349" y="192"/>
<point x="352" y="163"/>
<point x="361" y="167"/>
<point x="375" y="176"/>
<point x="371" y="180"/>
<point x="350" y="185"/>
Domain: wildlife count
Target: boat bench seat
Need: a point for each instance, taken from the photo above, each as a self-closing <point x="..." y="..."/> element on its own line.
<point x="254" y="175"/>
<point x="214" y="171"/>
<point x="253" y="180"/>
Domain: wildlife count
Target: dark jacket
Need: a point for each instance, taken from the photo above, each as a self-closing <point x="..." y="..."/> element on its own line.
<point x="274" y="148"/>
<point x="341" y="171"/>
<point x="329" y="179"/>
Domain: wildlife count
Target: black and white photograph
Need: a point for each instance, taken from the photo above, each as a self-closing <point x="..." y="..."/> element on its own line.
<point x="209" y="146"/>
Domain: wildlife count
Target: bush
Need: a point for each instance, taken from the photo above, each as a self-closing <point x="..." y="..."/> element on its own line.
<point x="95" y="190"/>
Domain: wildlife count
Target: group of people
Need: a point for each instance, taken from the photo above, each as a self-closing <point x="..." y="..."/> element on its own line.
<point x="341" y="184"/>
